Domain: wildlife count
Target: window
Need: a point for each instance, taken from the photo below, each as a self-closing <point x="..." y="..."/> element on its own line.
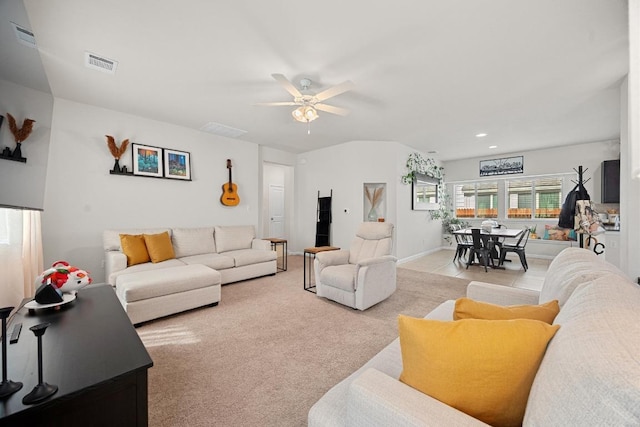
<point x="534" y="198"/>
<point x="476" y="200"/>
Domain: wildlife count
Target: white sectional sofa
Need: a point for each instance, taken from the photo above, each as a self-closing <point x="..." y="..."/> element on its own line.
<point x="205" y="259"/>
<point x="589" y="375"/>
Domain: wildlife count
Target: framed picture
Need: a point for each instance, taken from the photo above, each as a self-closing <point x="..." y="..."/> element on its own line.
<point x="177" y="164"/>
<point x="147" y="160"/>
<point x="506" y="166"/>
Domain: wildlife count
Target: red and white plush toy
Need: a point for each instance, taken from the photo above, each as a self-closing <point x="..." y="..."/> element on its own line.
<point x="64" y="277"/>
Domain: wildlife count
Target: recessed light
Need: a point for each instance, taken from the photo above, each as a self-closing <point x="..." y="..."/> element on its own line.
<point x="481" y="135"/>
<point x="493" y="146"/>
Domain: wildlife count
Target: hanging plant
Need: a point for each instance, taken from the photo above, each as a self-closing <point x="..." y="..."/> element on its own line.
<point x="418" y="164"/>
<point x="445" y="213"/>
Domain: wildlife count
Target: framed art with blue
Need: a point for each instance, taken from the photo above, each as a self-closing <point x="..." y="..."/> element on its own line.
<point x="177" y="164"/>
<point x="147" y="160"/>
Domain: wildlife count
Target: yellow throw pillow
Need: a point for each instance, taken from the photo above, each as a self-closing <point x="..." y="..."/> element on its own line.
<point x="484" y="368"/>
<point x="134" y="248"/>
<point x="469" y="309"/>
<point x="159" y="246"/>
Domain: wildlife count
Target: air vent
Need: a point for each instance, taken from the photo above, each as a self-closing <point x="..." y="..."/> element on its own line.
<point x="222" y="130"/>
<point x="24" y="36"/>
<point x="100" y="63"/>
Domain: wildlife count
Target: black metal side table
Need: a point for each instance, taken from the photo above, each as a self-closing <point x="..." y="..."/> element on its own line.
<point x="309" y="257"/>
<point x="282" y="265"/>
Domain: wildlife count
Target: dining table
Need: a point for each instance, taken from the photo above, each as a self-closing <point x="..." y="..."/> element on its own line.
<point x="495" y="234"/>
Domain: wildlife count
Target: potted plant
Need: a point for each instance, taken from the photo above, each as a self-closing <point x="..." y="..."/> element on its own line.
<point x="532" y="232"/>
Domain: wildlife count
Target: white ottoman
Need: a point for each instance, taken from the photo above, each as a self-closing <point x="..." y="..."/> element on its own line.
<point x="148" y="295"/>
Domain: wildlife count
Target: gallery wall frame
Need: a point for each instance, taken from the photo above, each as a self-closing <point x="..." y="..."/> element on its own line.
<point x="147" y="160"/>
<point x="177" y="164"/>
<point x="504" y="166"/>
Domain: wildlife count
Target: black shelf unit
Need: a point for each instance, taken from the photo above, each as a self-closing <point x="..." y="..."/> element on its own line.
<point x="323" y="224"/>
<point x="15" y="159"/>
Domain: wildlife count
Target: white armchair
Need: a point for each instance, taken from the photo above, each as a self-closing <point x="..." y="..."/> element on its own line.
<point x="362" y="276"/>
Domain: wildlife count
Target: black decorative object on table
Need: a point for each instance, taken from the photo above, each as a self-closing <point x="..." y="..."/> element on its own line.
<point x="42" y="390"/>
<point x="7" y="387"/>
<point x="116" y="166"/>
<point x="17" y="153"/>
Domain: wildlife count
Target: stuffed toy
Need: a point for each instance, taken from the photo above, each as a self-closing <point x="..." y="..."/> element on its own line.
<point x="60" y="278"/>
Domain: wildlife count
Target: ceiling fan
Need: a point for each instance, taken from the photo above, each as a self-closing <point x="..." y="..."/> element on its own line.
<point x="307" y="103"/>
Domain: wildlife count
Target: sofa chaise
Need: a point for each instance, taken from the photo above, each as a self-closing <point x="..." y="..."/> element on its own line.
<point x="204" y="259"/>
<point x="588" y="376"/>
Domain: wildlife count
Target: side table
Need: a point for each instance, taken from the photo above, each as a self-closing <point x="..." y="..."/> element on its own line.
<point x="309" y="257"/>
<point x="283" y="244"/>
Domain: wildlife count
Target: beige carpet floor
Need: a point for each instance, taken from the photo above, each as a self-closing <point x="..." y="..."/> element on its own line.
<point x="270" y="350"/>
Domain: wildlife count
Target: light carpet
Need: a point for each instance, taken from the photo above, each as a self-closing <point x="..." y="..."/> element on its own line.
<point x="270" y="350"/>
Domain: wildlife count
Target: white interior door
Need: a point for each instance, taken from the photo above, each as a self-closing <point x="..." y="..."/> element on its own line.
<point x="276" y="211"/>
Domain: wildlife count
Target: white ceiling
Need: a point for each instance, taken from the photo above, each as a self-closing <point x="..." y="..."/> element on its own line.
<point x="430" y="74"/>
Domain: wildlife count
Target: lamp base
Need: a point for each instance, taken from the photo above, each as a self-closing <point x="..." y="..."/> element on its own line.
<point x="9" y="387"/>
<point x="39" y="392"/>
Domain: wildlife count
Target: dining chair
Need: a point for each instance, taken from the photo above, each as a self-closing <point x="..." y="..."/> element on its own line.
<point x="482" y="246"/>
<point x="463" y="242"/>
<point x="517" y="248"/>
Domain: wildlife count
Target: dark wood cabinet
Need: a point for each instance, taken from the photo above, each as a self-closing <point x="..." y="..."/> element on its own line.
<point x="611" y="181"/>
<point x="95" y="357"/>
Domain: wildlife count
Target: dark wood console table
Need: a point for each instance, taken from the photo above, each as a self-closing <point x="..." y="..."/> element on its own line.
<point x="92" y="353"/>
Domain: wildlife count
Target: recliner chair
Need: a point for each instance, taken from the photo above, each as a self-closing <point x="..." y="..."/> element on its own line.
<point x="362" y="276"/>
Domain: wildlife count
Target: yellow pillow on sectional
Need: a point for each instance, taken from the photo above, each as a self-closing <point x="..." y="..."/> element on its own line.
<point x="134" y="248"/>
<point x="484" y="368"/>
<point x="159" y="246"/>
<point x="469" y="309"/>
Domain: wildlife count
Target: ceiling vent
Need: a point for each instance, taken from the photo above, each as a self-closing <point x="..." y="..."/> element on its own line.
<point x="222" y="130"/>
<point x="100" y="63"/>
<point x="24" y="36"/>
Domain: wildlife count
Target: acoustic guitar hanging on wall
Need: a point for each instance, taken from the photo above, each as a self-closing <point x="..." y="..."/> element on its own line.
<point x="229" y="190"/>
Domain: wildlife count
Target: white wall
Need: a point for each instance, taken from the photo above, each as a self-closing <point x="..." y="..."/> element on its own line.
<point x="23" y="183"/>
<point x="547" y="161"/>
<point x="345" y="168"/>
<point x="82" y="199"/>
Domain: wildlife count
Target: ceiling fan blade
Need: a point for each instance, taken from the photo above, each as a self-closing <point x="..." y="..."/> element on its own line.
<point x="331" y="109"/>
<point x="287" y="85"/>
<point x="271" y="104"/>
<point x="336" y="90"/>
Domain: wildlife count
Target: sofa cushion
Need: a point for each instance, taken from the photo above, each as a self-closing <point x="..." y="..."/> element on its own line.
<point x="215" y="261"/>
<point x="147" y="266"/>
<point x="339" y="276"/>
<point x="251" y="256"/>
<point x="372" y="240"/>
<point x="231" y="238"/>
<point x="590" y="374"/>
<point x="193" y="241"/>
<point x="159" y="247"/>
<point x="571" y="268"/>
<point x="135" y="248"/>
<point x="467" y="308"/>
<point x="111" y="238"/>
<point x="484" y="368"/>
<point x="166" y="281"/>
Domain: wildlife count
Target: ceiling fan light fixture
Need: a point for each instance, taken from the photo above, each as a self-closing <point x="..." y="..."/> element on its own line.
<point x="305" y="114"/>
